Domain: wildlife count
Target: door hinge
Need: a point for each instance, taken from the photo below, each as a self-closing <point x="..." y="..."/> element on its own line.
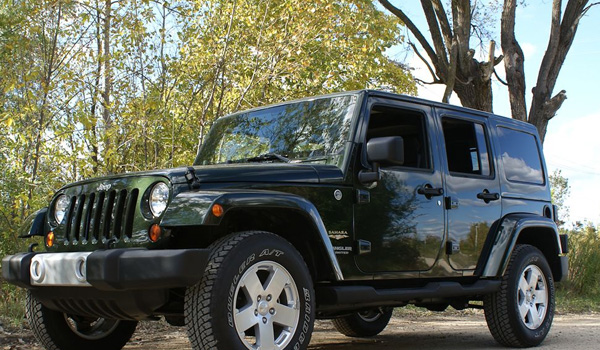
<point x="452" y="248"/>
<point x="363" y="247"/>
<point x="363" y="197"/>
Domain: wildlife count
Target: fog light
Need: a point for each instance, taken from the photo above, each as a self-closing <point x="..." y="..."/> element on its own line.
<point x="154" y="233"/>
<point x="50" y="239"/>
<point x="218" y="210"/>
<point x="80" y="269"/>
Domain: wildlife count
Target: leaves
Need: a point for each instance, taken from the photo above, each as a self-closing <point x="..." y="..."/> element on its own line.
<point x="173" y="68"/>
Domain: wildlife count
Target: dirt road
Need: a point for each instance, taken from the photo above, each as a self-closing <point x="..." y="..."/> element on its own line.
<point x="463" y="331"/>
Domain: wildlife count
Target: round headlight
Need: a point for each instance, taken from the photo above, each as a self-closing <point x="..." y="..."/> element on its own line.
<point x="159" y="196"/>
<point x="61" y="205"/>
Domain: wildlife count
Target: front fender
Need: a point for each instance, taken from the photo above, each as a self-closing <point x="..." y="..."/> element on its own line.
<point x="194" y="209"/>
<point x="507" y="236"/>
<point x="33" y="225"/>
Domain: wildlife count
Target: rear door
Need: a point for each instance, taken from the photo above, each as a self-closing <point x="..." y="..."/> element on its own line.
<point x="472" y="189"/>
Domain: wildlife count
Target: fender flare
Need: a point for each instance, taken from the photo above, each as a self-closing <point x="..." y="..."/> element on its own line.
<point x="194" y="209"/>
<point x="507" y="235"/>
<point x="34" y="224"/>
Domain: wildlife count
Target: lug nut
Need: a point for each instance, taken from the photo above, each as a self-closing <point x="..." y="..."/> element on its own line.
<point x="264" y="320"/>
<point x="259" y="298"/>
<point x="255" y="312"/>
<point x="269" y="297"/>
<point x="272" y="311"/>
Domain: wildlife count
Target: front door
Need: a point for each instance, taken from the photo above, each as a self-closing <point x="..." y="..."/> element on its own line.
<point x="472" y="189"/>
<point x="402" y="216"/>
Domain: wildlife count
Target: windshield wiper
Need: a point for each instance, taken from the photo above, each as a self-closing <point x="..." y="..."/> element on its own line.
<point x="267" y="157"/>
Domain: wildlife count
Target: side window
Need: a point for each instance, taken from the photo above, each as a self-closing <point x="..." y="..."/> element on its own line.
<point x="520" y="156"/>
<point x="410" y="125"/>
<point x="466" y="147"/>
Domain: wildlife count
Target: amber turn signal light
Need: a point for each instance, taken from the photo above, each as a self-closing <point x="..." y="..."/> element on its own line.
<point x="154" y="233"/>
<point x="50" y="239"/>
<point x="218" y="210"/>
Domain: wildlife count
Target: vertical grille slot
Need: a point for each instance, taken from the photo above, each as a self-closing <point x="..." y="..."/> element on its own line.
<point x="118" y="213"/>
<point x="87" y="217"/>
<point x="97" y="215"/>
<point x="130" y="212"/>
<point x="69" y="217"/>
<point x="107" y="215"/>
<point x="76" y="222"/>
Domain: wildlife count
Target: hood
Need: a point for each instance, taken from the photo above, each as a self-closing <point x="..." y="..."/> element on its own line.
<point x="247" y="172"/>
<point x="268" y="172"/>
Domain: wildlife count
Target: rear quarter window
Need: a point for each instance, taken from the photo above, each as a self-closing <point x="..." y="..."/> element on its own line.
<point x="520" y="156"/>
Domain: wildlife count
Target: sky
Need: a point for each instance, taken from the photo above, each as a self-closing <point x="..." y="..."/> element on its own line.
<point x="572" y="142"/>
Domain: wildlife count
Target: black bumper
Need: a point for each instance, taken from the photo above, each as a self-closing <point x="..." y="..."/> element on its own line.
<point x="125" y="283"/>
<point x="124" y="269"/>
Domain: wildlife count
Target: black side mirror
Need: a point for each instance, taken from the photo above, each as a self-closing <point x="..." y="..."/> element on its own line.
<point x="386" y="150"/>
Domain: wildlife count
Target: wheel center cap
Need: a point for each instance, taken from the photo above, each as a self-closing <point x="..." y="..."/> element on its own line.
<point x="263" y="308"/>
<point x="529" y="296"/>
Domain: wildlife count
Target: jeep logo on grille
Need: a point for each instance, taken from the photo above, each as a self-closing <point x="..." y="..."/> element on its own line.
<point x="104" y="187"/>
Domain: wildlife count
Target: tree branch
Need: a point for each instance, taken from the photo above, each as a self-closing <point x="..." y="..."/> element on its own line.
<point x="435" y="77"/>
<point x="500" y="79"/>
<point x="444" y="23"/>
<point x="554" y="104"/>
<point x="436" y="35"/>
<point x="413" y="29"/>
<point x="514" y="62"/>
<point x="451" y="73"/>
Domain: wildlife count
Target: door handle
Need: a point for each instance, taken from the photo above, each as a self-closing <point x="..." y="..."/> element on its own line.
<point x="428" y="191"/>
<point x="487" y="196"/>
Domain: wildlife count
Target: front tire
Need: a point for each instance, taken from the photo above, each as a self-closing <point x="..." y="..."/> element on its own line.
<point x="365" y="323"/>
<point x="58" y="331"/>
<point x="520" y="314"/>
<point x="256" y="292"/>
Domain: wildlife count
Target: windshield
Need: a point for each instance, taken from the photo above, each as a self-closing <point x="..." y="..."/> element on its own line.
<point x="306" y="131"/>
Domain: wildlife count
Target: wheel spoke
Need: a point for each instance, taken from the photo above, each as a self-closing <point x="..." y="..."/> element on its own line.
<point x="535" y="317"/>
<point x="252" y="285"/>
<point x="276" y="282"/>
<point x="245" y="319"/>
<point x="524" y="310"/>
<point x="285" y="315"/>
<point x="541" y="297"/>
<point x="523" y="284"/>
<point x="265" y="337"/>
<point x="534" y="277"/>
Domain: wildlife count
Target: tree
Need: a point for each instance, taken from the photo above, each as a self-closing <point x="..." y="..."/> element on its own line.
<point x="560" y="190"/>
<point x="453" y="62"/>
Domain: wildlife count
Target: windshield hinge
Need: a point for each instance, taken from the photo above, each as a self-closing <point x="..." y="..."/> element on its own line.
<point x="190" y="177"/>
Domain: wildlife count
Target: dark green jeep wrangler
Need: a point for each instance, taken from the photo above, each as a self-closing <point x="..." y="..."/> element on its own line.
<point x="335" y="207"/>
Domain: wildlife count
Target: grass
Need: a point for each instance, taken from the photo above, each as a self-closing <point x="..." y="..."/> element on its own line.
<point x="12" y="305"/>
<point x="568" y="302"/>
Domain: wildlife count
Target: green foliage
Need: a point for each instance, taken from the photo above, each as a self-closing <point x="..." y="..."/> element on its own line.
<point x="584" y="261"/>
<point x="89" y="88"/>
<point x="560" y="191"/>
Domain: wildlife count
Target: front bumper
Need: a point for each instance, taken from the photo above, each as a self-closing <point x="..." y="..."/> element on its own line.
<point x="124" y="284"/>
<point x="107" y="270"/>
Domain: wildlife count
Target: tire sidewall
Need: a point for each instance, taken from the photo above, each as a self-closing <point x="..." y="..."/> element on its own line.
<point x="51" y="329"/>
<point x="526" y="335"/>
<point x="250" y="251"/>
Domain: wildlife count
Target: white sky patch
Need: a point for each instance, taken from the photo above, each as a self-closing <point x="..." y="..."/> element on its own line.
<point x="528" y="50"/>
<point x="573" y="146"/>
<point x="433" y="92"/>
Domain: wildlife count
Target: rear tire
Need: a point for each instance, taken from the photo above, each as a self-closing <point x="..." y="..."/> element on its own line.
<point x="364" y="324"/>
<point x="520" y="314"/>
<point x="58" y="331"/>
<point x="256" y="292"/>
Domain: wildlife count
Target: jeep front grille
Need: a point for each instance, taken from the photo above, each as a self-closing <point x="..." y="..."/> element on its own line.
<point x="103" y="214"/>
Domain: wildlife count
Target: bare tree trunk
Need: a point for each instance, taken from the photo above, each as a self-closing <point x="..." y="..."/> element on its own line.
<point x="451" y="57"/>
<point x="562" y="33"/>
